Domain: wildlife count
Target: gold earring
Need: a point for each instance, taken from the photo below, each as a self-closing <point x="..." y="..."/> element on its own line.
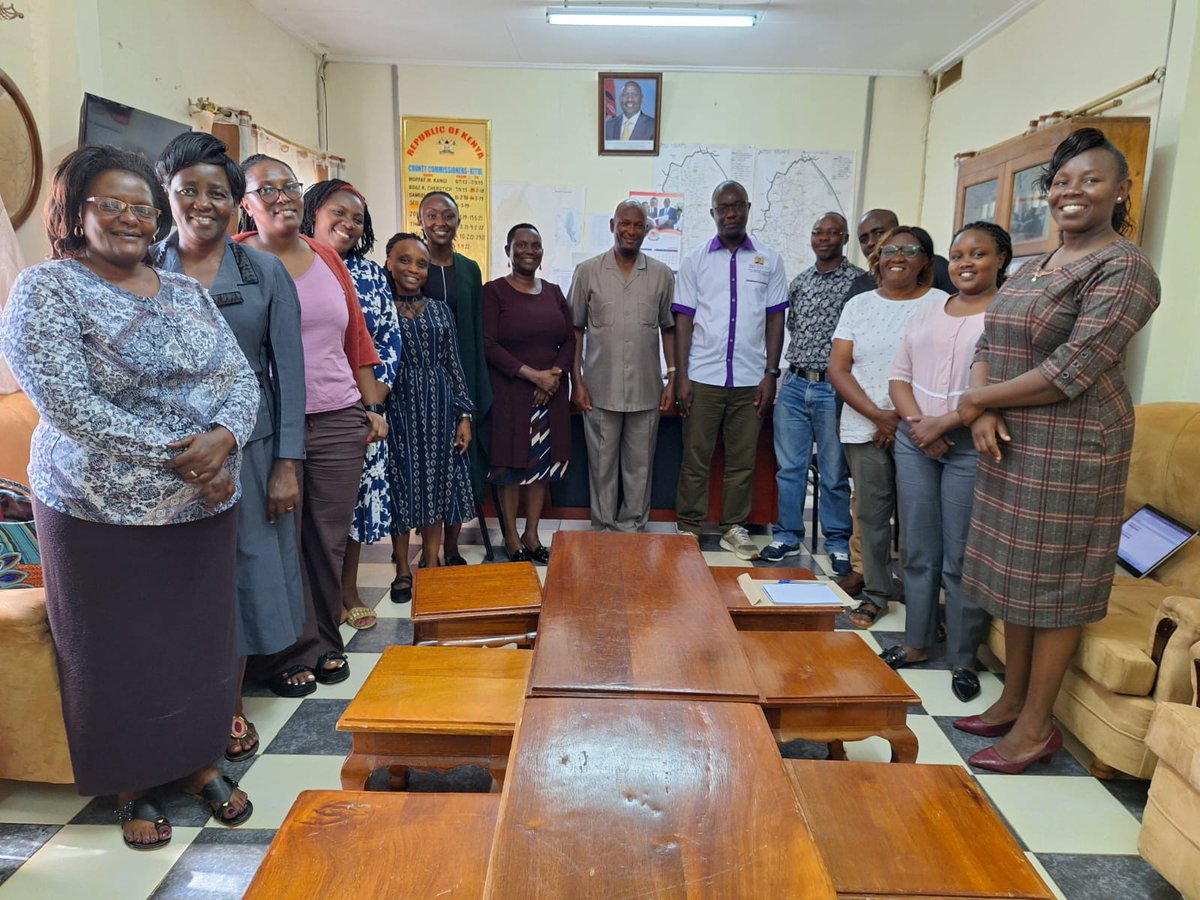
<point x="77" y="231"/>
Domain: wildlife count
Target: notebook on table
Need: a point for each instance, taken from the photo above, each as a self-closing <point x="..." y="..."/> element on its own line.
<point x="1148" y="537"/>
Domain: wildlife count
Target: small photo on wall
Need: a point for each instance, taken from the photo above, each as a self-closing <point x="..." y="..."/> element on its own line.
<point x="630" y="103"/>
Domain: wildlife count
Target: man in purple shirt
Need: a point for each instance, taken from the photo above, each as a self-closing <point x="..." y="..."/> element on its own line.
<point x="730" y="300"/>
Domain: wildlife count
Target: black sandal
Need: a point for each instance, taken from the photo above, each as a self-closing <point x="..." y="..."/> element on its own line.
<point x="282" y="687"/>
<point x="868" y="610"/>
<point x="539" y="554"/>
<point x="243" y="732"/>
<point x="218" y="794"/>
<point x="145" y="810"/>
<point x="402" y="589"/>
<point x="897" y="657"/>
<point x="332" y="676"/>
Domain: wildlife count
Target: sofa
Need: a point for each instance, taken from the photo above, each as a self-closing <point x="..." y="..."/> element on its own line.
<point x="1142" y="654"/>
<point x="1170" y="836"/>
<point x="33" y="739"/>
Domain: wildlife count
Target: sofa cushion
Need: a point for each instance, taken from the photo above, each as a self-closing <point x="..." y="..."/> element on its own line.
<point x="1114" y="651"/>
<point x="1112" y="726"/>
<point x="1174" y="736"/>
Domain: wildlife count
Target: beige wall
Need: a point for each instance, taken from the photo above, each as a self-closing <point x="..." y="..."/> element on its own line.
<point x="544" y="124"/>
<point x="1062" y="54"/>
<point x="154" y="55"/>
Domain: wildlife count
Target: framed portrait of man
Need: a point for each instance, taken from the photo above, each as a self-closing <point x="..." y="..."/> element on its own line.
<point x="630" y="104"/>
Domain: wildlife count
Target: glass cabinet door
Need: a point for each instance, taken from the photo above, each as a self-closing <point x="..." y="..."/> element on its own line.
<point x="1030" y="220"/>
<point x="979" y="202"/>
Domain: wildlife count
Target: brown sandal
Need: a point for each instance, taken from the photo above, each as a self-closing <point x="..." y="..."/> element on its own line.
<point x="243" y="732"/>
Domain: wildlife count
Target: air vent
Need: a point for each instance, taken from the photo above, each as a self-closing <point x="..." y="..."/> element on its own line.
<point x="948" y="77"/>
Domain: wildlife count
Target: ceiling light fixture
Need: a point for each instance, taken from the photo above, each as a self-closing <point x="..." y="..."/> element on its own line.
<point x="633" y="16"/>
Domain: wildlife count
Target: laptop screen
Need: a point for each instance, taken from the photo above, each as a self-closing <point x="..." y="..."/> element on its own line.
<point x="1148" y="537"/>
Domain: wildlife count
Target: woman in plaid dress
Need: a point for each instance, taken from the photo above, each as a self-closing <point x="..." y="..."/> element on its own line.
<point x="1052" y="418"/>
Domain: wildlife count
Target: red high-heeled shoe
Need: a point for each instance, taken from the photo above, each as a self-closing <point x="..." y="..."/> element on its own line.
<point x="989" y="759"/>
<point x="976" y="725"/>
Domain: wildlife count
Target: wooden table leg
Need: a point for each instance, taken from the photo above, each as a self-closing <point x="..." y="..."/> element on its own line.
<point x="903" y="741"/>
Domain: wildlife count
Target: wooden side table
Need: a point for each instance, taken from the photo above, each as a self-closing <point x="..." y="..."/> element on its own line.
<point x="910" y="831"/>
<point x="830" y="687"/>
<point x="339" y="843"/>
<point x="476" y="603"/>
<point x="435" y="708"/>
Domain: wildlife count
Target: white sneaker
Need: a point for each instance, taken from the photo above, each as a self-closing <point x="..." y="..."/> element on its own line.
<point x="737" y="541"/>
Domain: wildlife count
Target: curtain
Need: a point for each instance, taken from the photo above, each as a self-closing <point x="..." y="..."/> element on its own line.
<point x="309" y="165"/>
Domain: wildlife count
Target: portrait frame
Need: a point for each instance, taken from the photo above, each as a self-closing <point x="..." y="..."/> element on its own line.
<point x="610" y="117"/>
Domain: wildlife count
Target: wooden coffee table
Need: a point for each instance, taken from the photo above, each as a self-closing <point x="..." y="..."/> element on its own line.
<point x="358" y="844"/>
<point x="636" y="797"/>
<point x="435" y="708"/>
<point x="910" y="831"/>
<point x="635" y="614"/>
<point x="748" y="617"/>
<point x="830" y="687"/>
<point x="474" y="603"/>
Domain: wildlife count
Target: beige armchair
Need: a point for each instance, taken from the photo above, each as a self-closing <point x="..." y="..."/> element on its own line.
<point x="1142" y="654"/>
<point x="1170" y="835"/>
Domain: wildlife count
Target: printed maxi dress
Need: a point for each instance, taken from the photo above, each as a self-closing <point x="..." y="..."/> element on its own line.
<point x="1047" y="516"/>
<point x="373" y="513"/>
<point x="428" y="479"/>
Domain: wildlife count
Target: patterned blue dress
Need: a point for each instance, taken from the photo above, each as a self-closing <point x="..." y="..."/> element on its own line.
<point x="429" y="479"/>
<point x="373" y="514"/>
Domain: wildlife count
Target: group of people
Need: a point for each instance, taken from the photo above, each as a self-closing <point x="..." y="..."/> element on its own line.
<point x="226" y="420"/>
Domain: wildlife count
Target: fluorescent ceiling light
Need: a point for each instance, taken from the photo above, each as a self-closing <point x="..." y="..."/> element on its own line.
<point x="671" y="17"/>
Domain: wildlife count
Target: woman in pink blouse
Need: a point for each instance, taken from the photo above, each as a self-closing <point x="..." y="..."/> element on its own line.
<point x="935" y="456"/>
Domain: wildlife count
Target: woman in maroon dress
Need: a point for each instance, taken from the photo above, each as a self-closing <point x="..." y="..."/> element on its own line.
<point x="529" y="344"/>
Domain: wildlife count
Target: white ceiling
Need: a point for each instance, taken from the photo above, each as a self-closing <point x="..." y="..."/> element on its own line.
<point x="848" y="36"/>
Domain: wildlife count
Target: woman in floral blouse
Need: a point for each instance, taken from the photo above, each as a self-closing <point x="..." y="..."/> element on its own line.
<point x="146" y="401"/>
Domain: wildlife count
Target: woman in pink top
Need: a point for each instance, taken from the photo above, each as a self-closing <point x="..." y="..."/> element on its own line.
<point x="342" y="415"/>
<point x="935" y="456"/>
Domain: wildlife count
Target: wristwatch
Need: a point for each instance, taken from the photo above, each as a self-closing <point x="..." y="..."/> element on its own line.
<point x="376" y="408"/>
<point x="467" y="416"/>
<point x="774" y="372"/>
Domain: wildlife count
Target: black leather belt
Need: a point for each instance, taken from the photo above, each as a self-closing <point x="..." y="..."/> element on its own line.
<point x="808" y="374"/>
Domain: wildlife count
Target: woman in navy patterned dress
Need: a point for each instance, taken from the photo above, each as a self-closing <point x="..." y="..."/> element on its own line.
<point x="336" y="214"/>
<point x="429" y="416"/>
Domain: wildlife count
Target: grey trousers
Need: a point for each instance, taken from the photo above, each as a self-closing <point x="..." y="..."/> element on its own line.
<point x="620" y="449"/>
<point x="729" y="412"/>
<point x="935" y="512"/>
<point x="874" y="474"/>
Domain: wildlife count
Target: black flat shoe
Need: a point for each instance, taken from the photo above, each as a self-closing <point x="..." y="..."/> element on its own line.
<point x="455" y="561"/>
<point x="518" y="555"/>
<point x="897" y="657"/>
<point x="539" y="554"/>
<point x="965" y="684"/>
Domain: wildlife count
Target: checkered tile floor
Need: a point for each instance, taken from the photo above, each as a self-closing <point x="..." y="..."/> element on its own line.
<point x="1080" y="833"/>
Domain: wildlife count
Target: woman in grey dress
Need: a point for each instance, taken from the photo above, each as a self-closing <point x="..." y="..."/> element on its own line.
<point x="256" y="296"/>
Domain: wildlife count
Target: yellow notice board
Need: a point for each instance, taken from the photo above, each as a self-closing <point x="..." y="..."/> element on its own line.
<point x="455" y="156"/>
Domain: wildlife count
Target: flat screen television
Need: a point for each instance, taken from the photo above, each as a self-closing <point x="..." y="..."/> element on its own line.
<point x="104" y="121"/>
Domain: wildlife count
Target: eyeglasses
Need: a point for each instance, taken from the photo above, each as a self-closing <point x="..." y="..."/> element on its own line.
<point x="908" y="250"/>
<point x="828" y="232"/>
<point x="725" y="209"/>
<point x="268" y="193"/>
<point x="111" y="206"/>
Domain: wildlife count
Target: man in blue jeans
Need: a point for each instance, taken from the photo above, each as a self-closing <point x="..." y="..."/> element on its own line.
<point x="807" y="407"/>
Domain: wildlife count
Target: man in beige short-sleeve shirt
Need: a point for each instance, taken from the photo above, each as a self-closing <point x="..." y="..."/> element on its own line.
<point x="621" y="301"/>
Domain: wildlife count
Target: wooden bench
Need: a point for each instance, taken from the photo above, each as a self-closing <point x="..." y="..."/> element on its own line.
<point x="748" y="617"/>
<point x="434" y="708"/>
<point x="910" y="831"/>
<point x="830" y="687"/>
<point x="357" y="844"/>
<point x="476" y="604"/>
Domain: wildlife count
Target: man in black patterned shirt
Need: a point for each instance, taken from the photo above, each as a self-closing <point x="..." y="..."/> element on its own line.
<point x="806" y="409"/>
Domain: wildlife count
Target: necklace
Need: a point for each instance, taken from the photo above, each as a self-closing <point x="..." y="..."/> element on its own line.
<point x="1039" y="272"/>
<point x="445" y="290"/>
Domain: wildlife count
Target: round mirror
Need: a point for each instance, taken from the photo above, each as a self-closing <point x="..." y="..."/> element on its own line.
<point x="21" y="150"/>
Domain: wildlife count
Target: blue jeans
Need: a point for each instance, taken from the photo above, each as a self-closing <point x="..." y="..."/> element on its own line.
<point x="806" y="411"/>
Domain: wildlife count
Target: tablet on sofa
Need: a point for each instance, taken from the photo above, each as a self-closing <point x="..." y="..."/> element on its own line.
<point x="1148" y="537"/>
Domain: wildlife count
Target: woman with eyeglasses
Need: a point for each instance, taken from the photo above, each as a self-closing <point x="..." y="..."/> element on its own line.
<point x="336" y="214"/>
<point x="864" y="345"/>
<point x="342" y="415"/>
<point x="146" y="401"/>
<point x="258" y="300"/>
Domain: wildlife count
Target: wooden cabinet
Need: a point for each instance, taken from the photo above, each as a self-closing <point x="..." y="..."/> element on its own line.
<point x="999" y="184"/>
